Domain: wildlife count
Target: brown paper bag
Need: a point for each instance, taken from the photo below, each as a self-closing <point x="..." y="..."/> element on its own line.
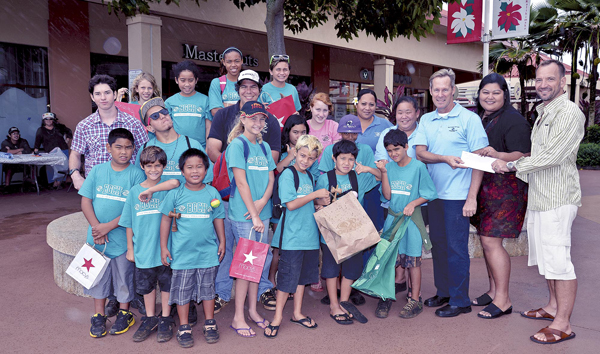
<point x="346" y="227"/>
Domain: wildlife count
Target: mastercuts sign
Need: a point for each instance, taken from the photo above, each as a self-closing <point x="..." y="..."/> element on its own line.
<point x="192" y="52"/>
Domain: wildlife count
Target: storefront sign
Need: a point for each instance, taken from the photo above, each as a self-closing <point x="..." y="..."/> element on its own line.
<point x="366" y="74"/>
<point x="192" y="52"/>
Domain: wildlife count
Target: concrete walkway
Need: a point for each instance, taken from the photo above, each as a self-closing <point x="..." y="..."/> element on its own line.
<point x="40" y="317"/>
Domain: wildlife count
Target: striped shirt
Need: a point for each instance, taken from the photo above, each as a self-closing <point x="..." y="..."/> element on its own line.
<point x="551" y="170"/>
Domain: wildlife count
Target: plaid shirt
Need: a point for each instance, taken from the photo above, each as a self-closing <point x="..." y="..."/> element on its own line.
<point x="91" y="136"/>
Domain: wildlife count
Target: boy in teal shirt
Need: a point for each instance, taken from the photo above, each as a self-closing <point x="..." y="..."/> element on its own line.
<point x="195" y="254"/>
<point x="189" y="108"/>
<point x="103" y="193"/>
<point x="406" y="183"/>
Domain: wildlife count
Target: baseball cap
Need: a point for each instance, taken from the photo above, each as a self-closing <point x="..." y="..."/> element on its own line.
<point x="249" y="75"/>
<point x="252" y="108"/>
<point x="13" y="129"/>
<point x="349" y="124"/>
<point x="153" y="102"/>
<point x="48" y="115"/>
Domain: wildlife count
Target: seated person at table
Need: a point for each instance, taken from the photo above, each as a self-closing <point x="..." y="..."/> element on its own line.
<point x="49" y="136"/>
<point x="15" y="145"/>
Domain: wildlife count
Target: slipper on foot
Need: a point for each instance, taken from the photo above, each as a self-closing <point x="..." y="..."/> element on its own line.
<point x="549" y="333"/>
<point x="262" y="324"/>
<point x="237" y="331"/>
<point x="342" y="319"/>
<point x="533" y="314"/>
<point x="494" y="311"/>
<point x="274" y="330"/>
<point x="483" y="300"/>
<point x="357" y="315"/>
<point x="305" y="322"/>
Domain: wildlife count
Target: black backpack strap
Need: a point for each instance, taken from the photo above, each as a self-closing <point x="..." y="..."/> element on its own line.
<point x="332" y="179"/>
<point x="143" y="147"/>
<point x="353" y="180"/>
<point x="296" y="185"/>
<point x="187" y="139"/>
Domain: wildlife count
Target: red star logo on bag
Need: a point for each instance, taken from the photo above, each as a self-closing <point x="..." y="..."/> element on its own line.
<point x="88" y="264"/>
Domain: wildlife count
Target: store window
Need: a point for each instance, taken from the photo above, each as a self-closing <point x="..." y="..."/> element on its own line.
<point x="112" y="65"/>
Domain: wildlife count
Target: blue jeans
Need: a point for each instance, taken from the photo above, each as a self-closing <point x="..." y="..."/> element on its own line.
<point x="223" y="282"/>
<point x="242" y="229"/>
<point x="449" y="233"/>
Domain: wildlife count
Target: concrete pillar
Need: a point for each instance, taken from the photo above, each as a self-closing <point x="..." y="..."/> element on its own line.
<point x="144" y="46"/>
<point x="383" y="76"/>
<point x="320" y="68"/>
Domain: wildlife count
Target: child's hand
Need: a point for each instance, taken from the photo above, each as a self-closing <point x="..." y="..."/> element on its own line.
<point x="360" y="168"/>
<point x="321" y="193"/>
<point x="145" y="196"/>
<point x="381" y="165"/>
<point x="259" y="205"/>
<point x="221" y="251"/>
<point x="100" y="240"/>
<point x="409" y="210"/>
<point x="165" y="255"/>
<point x="129" y="255"/>
<point x="257" y="224"/>
<point x="101" y="229"/>
<point x="318" y="207"/>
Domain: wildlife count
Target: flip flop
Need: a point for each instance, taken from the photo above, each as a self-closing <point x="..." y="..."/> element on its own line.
<point x="533" y="314"/>
<point x="260" y="324"/>
<point x="237" y="331"/>
<point x="274" y="331"/>
<point x="342" y="319"/>
<point x="494" y="311"/>
<point x="549" y="334"/>
<point x="356" y="314"/>
<point x="483" y="300"/>
<point x="304" y="322"/>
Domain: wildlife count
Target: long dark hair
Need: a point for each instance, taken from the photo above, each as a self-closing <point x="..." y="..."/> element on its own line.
<point x="493" y="78"/>
<point x="294" y="119"/>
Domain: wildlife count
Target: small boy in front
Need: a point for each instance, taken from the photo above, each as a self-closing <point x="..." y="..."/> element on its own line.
<point x="103" y="193"/>
<point x="297" y="235"/>
<point x="406" y="183"/>
<point x="142" y="220"/>
<point x="195" y="253"/>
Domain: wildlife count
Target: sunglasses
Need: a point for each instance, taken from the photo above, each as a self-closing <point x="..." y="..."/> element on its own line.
<point x="280" y="57"/>
<point x="156" y="115"/>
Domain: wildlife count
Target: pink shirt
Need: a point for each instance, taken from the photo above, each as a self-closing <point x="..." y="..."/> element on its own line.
<point x="327" y="134"/>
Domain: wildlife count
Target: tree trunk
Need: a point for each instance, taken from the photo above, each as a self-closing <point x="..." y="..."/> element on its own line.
<point x="573" y="79"/>
<point x="593" y="80"/>
<point x="274" y="25"/>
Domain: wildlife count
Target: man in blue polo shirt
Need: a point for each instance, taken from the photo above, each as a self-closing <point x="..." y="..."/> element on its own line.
<point x="441" y="138"/>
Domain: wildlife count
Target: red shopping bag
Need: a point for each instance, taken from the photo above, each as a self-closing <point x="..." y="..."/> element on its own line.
<point x="249" y="259"/>
<point x="282" y="109"/>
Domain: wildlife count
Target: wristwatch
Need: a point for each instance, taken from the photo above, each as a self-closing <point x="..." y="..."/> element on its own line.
<point x="73" y="170"/>
<point x="511" y="165"/>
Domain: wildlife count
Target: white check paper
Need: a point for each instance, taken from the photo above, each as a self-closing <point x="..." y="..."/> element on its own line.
<point x="482" y="163"/>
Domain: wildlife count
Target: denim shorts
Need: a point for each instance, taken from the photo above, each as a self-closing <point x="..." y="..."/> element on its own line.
<point x="297" y="267"/>
<point x="146" y="279"/>
<point x="351" y="268"/>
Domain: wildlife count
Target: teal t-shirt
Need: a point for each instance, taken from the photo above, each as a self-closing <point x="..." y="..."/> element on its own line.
<point x="301" y="232"/>
<point x="108" y="189"/>
<point x="407" y="184"/>
<point x="217" y="99"/>
<point x="174" y="151"/>
<point x="257" y="169"/>
<point x="365" y="157"/>
<point x="189" y="115"/>
<point x="194" y="244"/>
<point x="270" y="94"/>
<point x="144" y="220"/>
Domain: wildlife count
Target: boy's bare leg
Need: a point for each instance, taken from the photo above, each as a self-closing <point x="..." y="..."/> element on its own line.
<point x="164" y="299"/>
<point x="334" y="304"/>
<point x="241" y="290"/>
<point x="183" y="312"/>
<point x="415" y="278"/>
<point x="99" y="306"/>
<point x="298" y="304"/>
<point x="345" y="289"/>
<point x="124" y="306"/>
<point x="209" y="309"/>
<point x="281" y="297"/>
<point x="150" y="303"/>
<point x="274" y="265"/>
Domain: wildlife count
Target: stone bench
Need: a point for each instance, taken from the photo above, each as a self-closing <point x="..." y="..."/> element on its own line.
<point x="67" y="234"/>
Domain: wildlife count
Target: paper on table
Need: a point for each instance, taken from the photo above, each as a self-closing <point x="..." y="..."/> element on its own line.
<point x="477" y="162"/>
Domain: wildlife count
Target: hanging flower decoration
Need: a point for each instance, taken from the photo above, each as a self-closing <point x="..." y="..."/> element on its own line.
<point x="509" y="16"/>
<point x="463" y="22"/>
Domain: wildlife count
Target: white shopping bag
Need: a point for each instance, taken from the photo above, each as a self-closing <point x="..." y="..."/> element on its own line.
<point x="88" y="266"/>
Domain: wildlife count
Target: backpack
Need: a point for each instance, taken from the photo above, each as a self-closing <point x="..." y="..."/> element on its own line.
<point x="220" y="176"/>
<point x="333" y="182"/>
<point x="278" y="209"/>
<point x="223" y="83"/>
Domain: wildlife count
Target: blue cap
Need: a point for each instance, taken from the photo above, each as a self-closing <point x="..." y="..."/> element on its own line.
<point x="252" y="108"/>
<point x="349" y="124"/>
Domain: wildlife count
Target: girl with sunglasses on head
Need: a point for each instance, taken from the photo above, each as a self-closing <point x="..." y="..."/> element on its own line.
<point x="279" y="68"/>
<point x="222" y="91"/>
<point x="143" y="89"/>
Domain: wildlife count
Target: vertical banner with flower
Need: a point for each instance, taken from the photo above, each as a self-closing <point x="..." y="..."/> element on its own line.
<point x="510" y="18"/>
<point x="464" y="21"/>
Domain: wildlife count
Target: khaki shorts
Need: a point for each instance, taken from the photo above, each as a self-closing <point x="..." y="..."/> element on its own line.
<point x="549" y="234"/>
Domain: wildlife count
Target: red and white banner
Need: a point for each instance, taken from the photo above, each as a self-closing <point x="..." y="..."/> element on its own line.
<point x="510" y="18"/>
<point x="464" y="21"/>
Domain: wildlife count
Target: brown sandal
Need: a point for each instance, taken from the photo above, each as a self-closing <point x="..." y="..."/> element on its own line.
<point x="533" y="314"/>
<point x="549" y="333"/>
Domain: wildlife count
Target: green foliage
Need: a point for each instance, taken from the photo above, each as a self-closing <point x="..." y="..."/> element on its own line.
<point x="588" y="155"/>
<point x="593" y="134"/>
<point x="385" y="107"/>
<point x="133" y="7"/>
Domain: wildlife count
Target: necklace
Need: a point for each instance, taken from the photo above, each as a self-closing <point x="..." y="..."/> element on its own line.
<point x="174" y="151"/>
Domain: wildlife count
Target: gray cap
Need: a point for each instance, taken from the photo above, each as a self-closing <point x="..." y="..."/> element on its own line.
<point x="349" y="124"/>
<point x="153" y="102"/>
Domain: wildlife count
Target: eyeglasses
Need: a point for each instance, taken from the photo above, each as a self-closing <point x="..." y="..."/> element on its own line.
<point x="156" y="115"/>
<point x="280" y="57"/>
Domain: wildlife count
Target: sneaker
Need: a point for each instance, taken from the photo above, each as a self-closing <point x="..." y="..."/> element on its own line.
<point x="138" y="304"/>
<point x="268" y="300"/>
<point x="412" y="309"/>
<point x="383" y="308"/>
<point x="357" y="298"/>
<point x="400" y="287"/>
<point x="149" y="325"/>
<point x="211" y="331"/>
<point x="184" y="336"/>
<point x="219" y="304"/>
<point x="193" y="314"/>
<point x="124" y="321"/>
<point x="98" y="329"/>
<point x="165" y="329"/>
<point x="112" y="308"/>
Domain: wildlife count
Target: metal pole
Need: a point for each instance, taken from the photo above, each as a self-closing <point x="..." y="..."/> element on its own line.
<point x="486" y="35"/>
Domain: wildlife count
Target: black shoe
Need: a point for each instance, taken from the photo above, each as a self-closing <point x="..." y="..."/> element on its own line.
<point x="98" y="329"/>
<point x="184" y="336"/>
<point x="193" y="314"/>
<point x="452" y="311"/>
<point x="149" y="325"/>
<point x="124" y="321"/>
<point x="138" y="304"/>
<point x="436" y="301"/>
<point x="112" y="308"/>
<point x="325" y="300"/>
<point x="357" y="298"/>
<point x="383" y="308"/>
<point x="400" y="287"/>
<point x="165" y="329"/>
<point x="211" y="331"/>
<point x="219" y="304"/>
<point x="268" y="300"/>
